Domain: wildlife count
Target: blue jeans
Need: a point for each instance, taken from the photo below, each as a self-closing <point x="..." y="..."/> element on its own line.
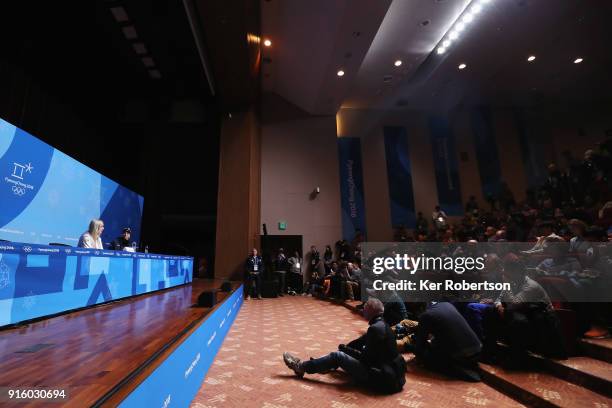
<point x="333" y="360"/>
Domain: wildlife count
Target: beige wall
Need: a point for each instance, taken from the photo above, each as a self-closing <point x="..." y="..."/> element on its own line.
<point x="298" y="155"/>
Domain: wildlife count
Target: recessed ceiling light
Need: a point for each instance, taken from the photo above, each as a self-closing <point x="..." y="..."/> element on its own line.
<point x="577" y="60"/>
<point x="154" y="74"/>
<point x="129" y="32"/>
<point x="340" y="73"/>
<point x="462" y="66"/>
<point x="120" y="14"/>
<point x="139" y="48"/>
<point x="397" y="63"/>
<point x="453" y="35"/>
<point x="148" y="62"/>
<point x="267" y="42"/>
<point x="446" y="43"/>
<point x="477" y="8"/>
<point x="441" y="50"/>
<point x="531" y="58"/>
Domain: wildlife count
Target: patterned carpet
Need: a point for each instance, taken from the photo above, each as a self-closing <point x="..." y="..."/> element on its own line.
<point x="249" y="369"/>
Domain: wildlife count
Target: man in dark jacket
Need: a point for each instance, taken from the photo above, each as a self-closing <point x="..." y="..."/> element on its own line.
<point x="453" y="348"/>
<point x="371" y="359"/>
<point x="254" y="267"/>
<point x="122" y="241"/>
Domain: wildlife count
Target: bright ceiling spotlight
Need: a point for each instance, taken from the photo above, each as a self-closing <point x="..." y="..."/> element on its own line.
<point x="267" y="42"/>
<point x="578" y="60"/>
<point x="340" y="73"/>
<point x="531" y="58"/>
<point x="471" y="10"/>
<point x="462" y="66"/>
<point x="397" y="63"/>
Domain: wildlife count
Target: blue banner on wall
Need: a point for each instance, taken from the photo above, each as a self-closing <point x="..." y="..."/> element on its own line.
<point x="351" y="187"/>
<point x="532" y="151"/>
<point x="399" y="177"/>
<point x="445" y="166"/>
<point x="47" y="196"/>
<point x="177" y="380"/>
<point x="487" y="156"/>
<point x="37" y="280"/>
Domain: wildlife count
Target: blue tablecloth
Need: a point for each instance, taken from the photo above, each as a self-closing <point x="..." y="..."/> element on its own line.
<point x="40" y="280"/>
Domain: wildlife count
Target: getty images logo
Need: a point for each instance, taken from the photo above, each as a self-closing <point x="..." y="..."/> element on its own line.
<point x="16" y="179"/>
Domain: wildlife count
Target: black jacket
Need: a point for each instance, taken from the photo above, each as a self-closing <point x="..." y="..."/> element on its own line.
<point x="251" y="262"/>
<point x="379" y="353"/>
<point x="119" y="243"/>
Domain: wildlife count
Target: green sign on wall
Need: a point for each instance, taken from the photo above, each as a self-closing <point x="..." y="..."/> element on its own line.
<point x="282" y="225"/>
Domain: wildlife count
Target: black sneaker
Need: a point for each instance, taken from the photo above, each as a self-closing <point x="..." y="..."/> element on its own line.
<point x="294" y="363"/>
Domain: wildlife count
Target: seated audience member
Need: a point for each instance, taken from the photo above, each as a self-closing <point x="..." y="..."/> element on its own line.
<point x="546" y="230"/>
<point x="122" y="241"/>
<point x="92" y="237"/>
<point x="350" y="285"/>
<point x="370" y="360"/>
<point x="558" y="263"/>
<point x="254" y="267"/>
<point x="523" y="317"/>
<point x="453" y="349"/>
<point x="578" y="243"/>
<point x="314" y="285"/>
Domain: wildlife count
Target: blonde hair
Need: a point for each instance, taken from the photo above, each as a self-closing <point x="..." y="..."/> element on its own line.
<point x="94" y="228"/>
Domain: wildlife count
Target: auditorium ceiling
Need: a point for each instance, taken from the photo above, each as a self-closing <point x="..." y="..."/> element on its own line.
<point x="312" y="41"/>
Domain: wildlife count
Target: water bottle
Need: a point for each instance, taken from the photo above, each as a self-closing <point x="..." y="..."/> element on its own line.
<point x="146" y="249"/>
<point x="133" y="246"/>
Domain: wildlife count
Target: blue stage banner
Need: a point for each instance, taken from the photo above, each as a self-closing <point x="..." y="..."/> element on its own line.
<point x="399" y="177"/>
<point x="487" y="156"/>
<point x="38" y="280"/>
<point x="445" y="166"/>
<point x="176" y="381"/>
<point x="532" y="151"/>
<point x="48" y="197"/>
<point x="351" y="187"/>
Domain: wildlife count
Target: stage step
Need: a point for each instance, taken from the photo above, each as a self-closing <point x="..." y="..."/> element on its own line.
<point x="587" y="372"/>
<point x="537" y="388"/>
<point x="600" y="349"/>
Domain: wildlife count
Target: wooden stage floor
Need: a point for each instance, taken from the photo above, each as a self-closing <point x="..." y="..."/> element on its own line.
<point x="90" y="352"/>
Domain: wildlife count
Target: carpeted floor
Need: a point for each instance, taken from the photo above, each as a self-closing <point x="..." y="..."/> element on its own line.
<point x="249" y="369"/>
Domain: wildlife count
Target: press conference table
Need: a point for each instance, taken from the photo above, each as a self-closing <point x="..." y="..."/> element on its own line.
<point x="41" y="280"/>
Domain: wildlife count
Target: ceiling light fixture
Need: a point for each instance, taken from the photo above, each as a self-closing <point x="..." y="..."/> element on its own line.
<point x="578" y="60"/>
<point x="462" y="66"/>
<point x="531" y="58"/>
<point x="397" y="63"/>
<point x="267" y="42"/>
<point x="460" y="24"/>
<point x="340" y="73"/>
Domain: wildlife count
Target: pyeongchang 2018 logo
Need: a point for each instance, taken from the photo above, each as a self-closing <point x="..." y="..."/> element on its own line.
<point x="17" y="179"/>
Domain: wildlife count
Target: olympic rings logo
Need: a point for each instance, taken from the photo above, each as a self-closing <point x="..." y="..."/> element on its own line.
<point x="18" y="190"/>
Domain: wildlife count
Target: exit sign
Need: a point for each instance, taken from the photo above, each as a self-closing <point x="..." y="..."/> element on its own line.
<point x="282" y="225"/>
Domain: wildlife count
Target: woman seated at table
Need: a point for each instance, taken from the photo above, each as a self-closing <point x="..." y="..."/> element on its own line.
<point x="92" y="237"/>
